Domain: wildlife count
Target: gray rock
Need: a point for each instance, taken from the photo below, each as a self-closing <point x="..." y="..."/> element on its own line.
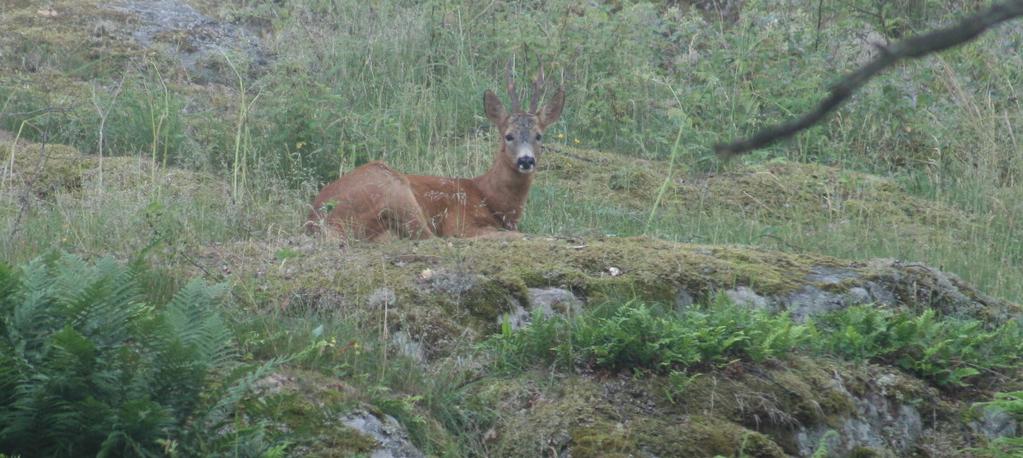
<point x="518" y="318"/>
<point x="995" y="423"/>
<point x="203" y="39"/>
<point x="880" y="294"/>
<point x="811" y="301"/>
<point x="382" y="297"/>
<point x="887" y="427"/>
<point x="392" y="438"/>
<point x="547" y="302"/>
<point x="683" y="299"/>
<point x="408" y="346"/>
<point x="826" y="275"/>
<point x="453" y="283"/>
<point x="554" y="300"/>
<point x="743" y="295"/>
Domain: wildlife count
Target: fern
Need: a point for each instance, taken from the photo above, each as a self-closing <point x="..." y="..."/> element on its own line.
<point x="87" y="368"/>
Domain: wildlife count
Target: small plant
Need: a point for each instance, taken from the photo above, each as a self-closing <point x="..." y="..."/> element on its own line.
<point x="635" y="335"/>
<point x="87" y="367"/>
<point x="948" y="352"/>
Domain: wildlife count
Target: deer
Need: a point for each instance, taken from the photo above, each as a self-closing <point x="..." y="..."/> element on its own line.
<point x="376" y="203"/>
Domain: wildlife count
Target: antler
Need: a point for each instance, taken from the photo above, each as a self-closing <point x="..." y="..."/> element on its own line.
<point x="538" y="86"/>
<point x="513" y="97"/>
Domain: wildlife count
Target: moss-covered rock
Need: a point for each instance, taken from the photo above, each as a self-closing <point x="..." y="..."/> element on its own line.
<point x="781" y="409"/>
<point x="443" y="285"/>
<point x="323" y="416"/>
<point x="774" y="193"/>
<point x="47" y="169"/>
<point x="444" y="293"/>
<point x="43" y="169"/>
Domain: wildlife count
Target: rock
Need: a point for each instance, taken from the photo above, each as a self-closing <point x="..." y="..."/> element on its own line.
<point x="683" y="299"/>
<point x="197" y="40"/>
<point x="744" y="295"/>
<point x="995" y="423"/>
<point x="547" y="302"/>
<point x="879" y="424"/>
<point x="408" y="346"/>
<point x="918" y="286"/>
<point x="382" y="297"/>
<point x="554" y="300"/>
<point x="518" y="318"/>
<point x="452" y="282"/>
<point x="392" y="438"/>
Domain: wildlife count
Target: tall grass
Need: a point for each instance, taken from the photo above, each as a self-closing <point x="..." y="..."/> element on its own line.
<point x="356" y="81"/>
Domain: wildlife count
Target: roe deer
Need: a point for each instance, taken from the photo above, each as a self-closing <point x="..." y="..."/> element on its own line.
<point x="374" y="202"/>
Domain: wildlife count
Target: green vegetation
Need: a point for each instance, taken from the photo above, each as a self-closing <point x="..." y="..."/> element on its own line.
<point x="637" y="336"/>
<point x="945" y="351"/>
<point x="1011" y="403"/>
<point x="142" y="140"/>
<point x="89" y="368"/>
<point x="948" y="352"/>
<point x="640" y="75"/>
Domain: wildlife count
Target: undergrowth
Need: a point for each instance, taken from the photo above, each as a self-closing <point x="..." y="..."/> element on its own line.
<point x="644" y="79"/>
<point x="87" y="367"/>
<point x="945" y="351"/>
<point x="351" y="81"/>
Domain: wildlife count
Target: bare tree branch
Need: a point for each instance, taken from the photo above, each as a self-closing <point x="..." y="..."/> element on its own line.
<point x="914" y="47"/>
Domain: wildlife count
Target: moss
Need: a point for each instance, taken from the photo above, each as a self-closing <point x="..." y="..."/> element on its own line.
<point x="635" y="180"/>
<point x="303" y="408"/>
<point x="773" y="193"/>
<point x="81" y="37"/>
<point x="66" y="170"/>
<point x="475" y="282"/>
<point x="699" y="435"/>
<point x="47" y="169"/>
<point x="864" y="452"/>
<point x="601" y="439"/>
<point x="587" y="417"/>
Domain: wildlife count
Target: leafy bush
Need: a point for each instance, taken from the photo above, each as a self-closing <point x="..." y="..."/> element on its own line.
<point x="947" y="351"/>
<point x="88" y="368"/>
<point x="636" y="335"/>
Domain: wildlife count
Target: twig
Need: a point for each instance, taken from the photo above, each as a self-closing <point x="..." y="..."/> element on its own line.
<point x="914" y="47"/>
<point x="24" y="202"/>
<point x="103" y="119"/>
<point x="33" y="113"/>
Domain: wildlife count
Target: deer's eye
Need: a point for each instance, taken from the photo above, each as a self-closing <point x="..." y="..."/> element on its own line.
<point x="509" y="137"/>
<point x="538" y="137"/>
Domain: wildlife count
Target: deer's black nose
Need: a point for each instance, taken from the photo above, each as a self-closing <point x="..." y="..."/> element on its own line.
<point x="526" y="162"/>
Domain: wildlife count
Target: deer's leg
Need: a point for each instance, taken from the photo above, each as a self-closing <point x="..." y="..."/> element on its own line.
<point x="405" y="217"/>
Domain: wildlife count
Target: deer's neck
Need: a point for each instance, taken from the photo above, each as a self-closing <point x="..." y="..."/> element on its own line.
<point x="505" y="190"/>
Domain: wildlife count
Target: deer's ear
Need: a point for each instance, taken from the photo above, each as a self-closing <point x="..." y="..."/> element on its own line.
<point x="552" y="110"/>
<point x="492" y="106"/>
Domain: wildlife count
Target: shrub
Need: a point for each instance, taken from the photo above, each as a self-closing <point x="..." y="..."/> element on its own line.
<point x="87" y="367"/>
<point x="947" y="351"/>
<point x="636" y="335"/>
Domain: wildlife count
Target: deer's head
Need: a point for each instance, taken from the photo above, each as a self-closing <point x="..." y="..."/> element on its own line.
<point x="522" y="131"/>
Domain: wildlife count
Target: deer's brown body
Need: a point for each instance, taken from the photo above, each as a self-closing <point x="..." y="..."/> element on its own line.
<point x="375" y="202"/>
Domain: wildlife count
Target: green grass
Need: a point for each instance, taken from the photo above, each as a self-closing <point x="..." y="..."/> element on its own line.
<point x="355" y="81"/>
<point x="639" y="76"/>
